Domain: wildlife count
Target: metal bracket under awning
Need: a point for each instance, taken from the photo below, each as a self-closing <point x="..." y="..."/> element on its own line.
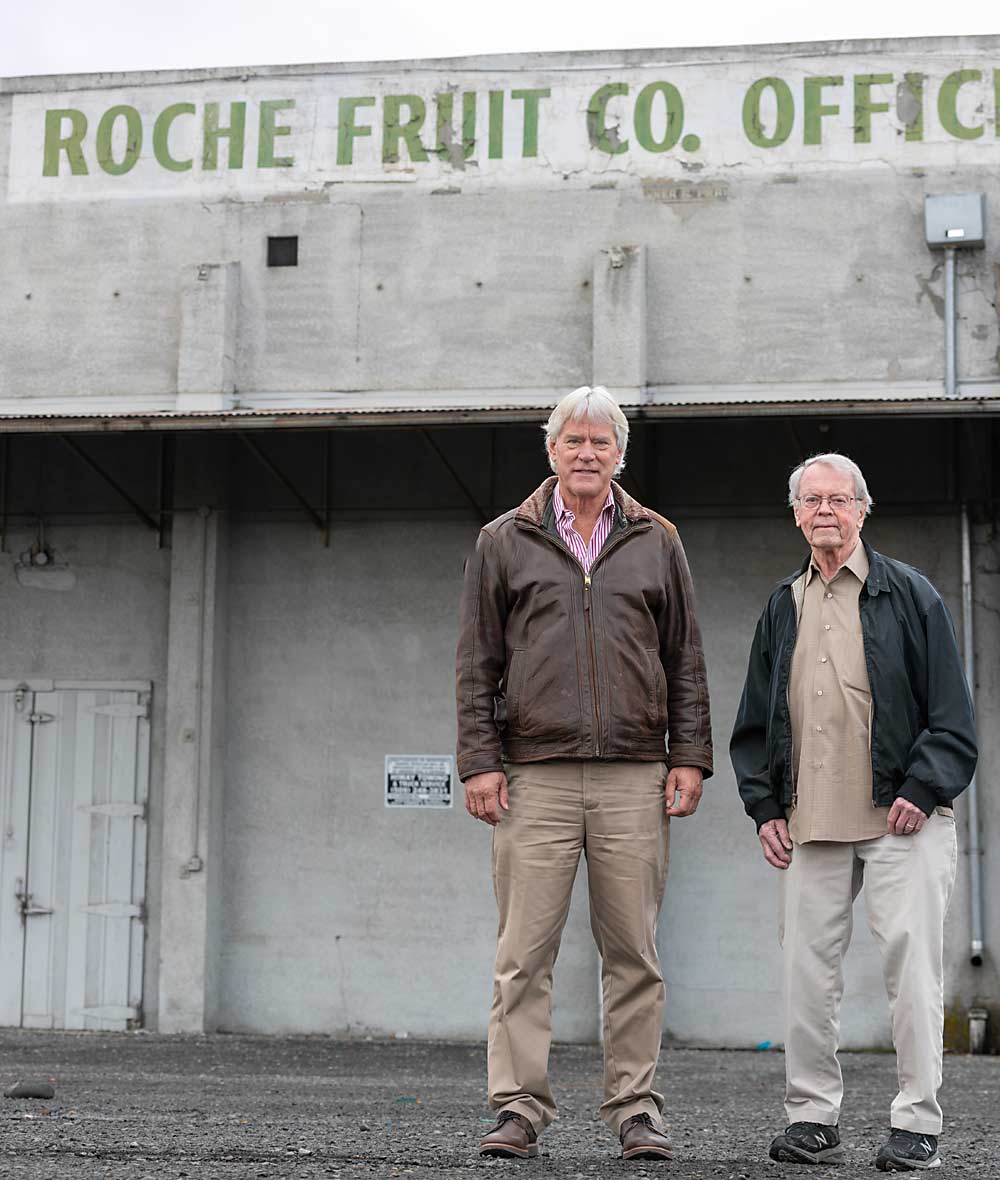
<point x="463" y="488"/>
<point x="322" y="523"/>
<point x="143" y="515"/>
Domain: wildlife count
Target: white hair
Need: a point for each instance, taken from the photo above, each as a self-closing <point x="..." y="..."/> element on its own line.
<point x="588" y="404"/>
<point x="839" y="463"/>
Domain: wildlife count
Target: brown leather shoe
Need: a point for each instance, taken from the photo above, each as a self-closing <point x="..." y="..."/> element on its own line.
<point x="642" y="1141"/>
<point x="512" y="1137"/>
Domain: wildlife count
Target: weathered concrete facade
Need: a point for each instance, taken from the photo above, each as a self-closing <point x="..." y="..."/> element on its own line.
<point x="731" y="239"/>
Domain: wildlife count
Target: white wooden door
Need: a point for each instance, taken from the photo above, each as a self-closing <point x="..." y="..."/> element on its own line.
<point x="15" y="776"/>
<point x="75" y="849"/>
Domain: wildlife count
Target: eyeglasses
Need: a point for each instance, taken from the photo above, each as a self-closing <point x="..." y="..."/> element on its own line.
<point x="837" y="503"/>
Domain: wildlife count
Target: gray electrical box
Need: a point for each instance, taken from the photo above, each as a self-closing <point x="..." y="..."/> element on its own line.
<point x="955" y="219"/>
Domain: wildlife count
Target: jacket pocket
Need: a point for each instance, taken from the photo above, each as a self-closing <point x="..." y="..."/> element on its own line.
<point x="657" y="695"/>
<point x="513" y="684"/>
<point x="543" y="697"/>
<point x="638" y="695"/>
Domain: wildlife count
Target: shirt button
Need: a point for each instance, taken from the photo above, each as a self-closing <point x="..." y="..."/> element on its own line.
<point x="828" y="594"/>
<point x="826" y="626"/>
<point x="819" y="728"/>
<point x="819" y="692"/>
<point x="822" y="659"/>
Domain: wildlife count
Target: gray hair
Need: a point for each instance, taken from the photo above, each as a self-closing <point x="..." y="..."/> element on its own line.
<point x="588" y="404"/>
<point x="839" y="463"/>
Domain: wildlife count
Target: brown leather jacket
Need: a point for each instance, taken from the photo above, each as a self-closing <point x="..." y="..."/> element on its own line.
<point x="555" y="663"/>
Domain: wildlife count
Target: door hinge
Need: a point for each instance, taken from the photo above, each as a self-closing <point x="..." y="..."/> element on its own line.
<point x="122" y="1012"/>
<point x="40" y="718"/>
<point x="115" y="810"/>
<point x="140" y="710"/>
<point x="113" y="909"/>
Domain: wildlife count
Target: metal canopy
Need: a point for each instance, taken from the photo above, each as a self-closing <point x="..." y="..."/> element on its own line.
<point x="246" y="420"/>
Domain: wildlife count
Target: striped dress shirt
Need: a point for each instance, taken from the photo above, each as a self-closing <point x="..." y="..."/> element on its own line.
<point x="584" y="553"/>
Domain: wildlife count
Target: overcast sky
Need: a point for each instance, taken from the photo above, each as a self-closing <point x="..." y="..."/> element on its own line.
<point x="83" y="36"/>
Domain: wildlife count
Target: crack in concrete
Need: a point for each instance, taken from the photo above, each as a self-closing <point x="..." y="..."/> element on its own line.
<point x="924" y="285"/>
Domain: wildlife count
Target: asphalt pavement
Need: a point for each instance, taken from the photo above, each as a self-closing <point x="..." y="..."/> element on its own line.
<point x="140" y="1105"/>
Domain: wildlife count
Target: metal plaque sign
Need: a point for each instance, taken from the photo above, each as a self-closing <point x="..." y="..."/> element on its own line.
<point x="418" y="780"/>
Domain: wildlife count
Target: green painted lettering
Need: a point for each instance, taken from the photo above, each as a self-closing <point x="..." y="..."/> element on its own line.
<point x="133" y="140"/>
<point x="601" y="136"/>
<point x="864" y="108"/>
<point x="644" y="112"/>
<point x="910" y="106"/>
<point x="394" y="131"/>
<point x="270" y="129"/>
<point x="948" y="104"/>
<point x="530" y="98"/>
<point x="496" y="125"/>
<point x="447" y="147"/>
<point x="71" y="144"/>
<point x="753" y="127"/>
<point x="347" y="130"/>
<point x="161" y="137"/>
<point x="814" y="109"/>
<point x="235" y="133"/>
<point x="469" y="122"/>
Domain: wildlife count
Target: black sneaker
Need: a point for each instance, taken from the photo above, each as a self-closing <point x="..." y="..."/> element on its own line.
<point x="906" y="1151"/>
<point x="807" y="1143"/>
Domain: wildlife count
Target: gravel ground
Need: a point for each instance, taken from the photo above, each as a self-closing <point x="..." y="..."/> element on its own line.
<point x="227" y="1107"/>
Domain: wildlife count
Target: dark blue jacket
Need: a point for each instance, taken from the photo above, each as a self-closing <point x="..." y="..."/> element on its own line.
<point x="923" y="738"/>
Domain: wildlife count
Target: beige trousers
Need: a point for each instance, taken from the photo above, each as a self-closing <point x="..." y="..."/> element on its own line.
<point x="612" y="812"/>
<point x="908" y="882"/>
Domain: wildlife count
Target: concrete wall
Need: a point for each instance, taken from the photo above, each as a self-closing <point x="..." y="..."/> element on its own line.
<point x="385" y="921"/>
<point x="805" y="263"/>
<point x="800" y="282"/>
<point x="375" y="920"/>
<point x="334" y="914"/>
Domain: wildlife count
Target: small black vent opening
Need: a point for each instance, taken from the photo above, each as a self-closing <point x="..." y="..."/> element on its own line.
<point x="282" y="251"/>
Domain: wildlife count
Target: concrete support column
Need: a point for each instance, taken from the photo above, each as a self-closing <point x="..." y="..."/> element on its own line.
<point x="620" y="321"/>
<point x="193" y="775"/>
<point x="206" y="367"/>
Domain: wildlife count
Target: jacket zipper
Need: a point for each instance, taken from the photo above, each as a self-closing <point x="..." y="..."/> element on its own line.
<point x="592" y="653"/>
<point x="591" y="644"/>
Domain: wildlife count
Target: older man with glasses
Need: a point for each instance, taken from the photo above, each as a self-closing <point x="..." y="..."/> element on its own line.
<point x="853" y="737"/>
<point x="583" y="726"/>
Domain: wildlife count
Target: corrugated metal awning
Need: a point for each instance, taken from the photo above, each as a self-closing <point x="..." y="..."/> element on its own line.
<point x="402" y="407"/>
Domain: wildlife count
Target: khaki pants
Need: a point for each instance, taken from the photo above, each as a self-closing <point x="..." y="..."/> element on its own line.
<point x="614" y="813"/>
<point x="908" y="882"/>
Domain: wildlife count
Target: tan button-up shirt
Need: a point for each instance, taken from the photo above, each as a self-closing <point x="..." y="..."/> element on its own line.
<point x="830" y="705"/>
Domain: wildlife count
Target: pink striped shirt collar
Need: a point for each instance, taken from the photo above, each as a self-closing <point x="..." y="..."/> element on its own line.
<point x="584" y="553"/>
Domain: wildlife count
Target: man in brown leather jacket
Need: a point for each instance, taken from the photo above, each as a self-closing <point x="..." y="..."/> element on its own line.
<point x="583" y="725"/>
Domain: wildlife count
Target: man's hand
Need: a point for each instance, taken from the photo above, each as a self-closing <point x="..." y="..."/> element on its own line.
<point x="683" y="790"/>
<point x="485" y="795"/>
<point x="776" y="843"/>
<point x="905" y="818"/>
